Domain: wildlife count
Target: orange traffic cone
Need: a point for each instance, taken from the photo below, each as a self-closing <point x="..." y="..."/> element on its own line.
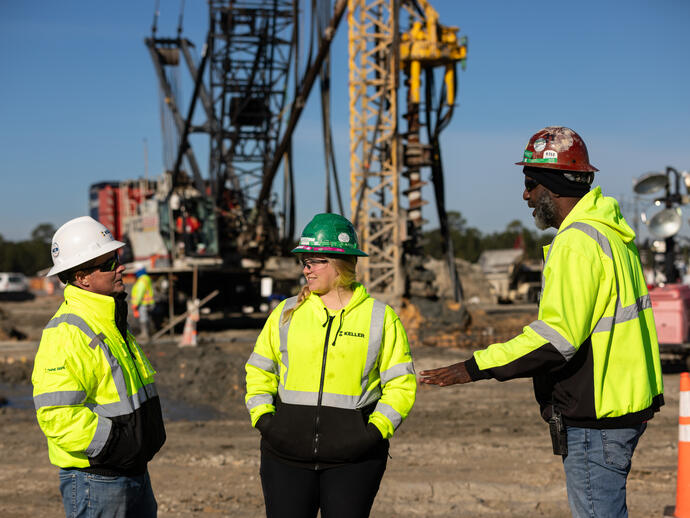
<point x="189" y="331"/>
<point x="682" y="509"/>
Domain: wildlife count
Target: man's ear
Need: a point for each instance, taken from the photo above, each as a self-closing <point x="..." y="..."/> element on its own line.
<point x="81" y="278"/>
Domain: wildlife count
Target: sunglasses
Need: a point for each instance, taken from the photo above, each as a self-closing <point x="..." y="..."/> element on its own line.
<point x="108" y="265"/>
<point x="314" y="264"/>
<point x="530" y="184"/>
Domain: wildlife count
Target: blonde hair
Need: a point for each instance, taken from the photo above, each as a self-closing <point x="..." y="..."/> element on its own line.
<point x="345" y="265"/>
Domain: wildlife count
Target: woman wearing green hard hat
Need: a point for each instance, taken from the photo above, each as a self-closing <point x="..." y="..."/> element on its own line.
<point x="328" y="383"/>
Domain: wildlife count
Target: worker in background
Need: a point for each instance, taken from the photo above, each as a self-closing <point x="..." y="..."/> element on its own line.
<point x="328" y="383"/>
<point x="187" y="225"/>
<point x="94" y="390"/>
<point x="592" y="352"/>
<point x="143" y="301"/>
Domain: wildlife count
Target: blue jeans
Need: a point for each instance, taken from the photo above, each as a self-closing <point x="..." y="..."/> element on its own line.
<point x="596" y="470"/>
<point x="96" y="496"/>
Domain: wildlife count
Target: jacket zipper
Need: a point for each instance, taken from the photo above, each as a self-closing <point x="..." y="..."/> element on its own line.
<point x="136" y="368"/>
<point x="317" y="417"/>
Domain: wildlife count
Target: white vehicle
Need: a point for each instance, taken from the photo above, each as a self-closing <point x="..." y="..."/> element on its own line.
<point x="13" y="284"/>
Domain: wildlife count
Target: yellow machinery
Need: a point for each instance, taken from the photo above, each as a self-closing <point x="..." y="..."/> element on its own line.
<point x="377" y="53"/>
<point x="429" y="44"/>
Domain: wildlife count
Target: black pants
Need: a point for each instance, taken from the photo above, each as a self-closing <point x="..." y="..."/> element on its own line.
<point x="345" y="491"/>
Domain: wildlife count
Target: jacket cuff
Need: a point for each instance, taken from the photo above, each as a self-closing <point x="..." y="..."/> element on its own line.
<point x="474" y="372"/>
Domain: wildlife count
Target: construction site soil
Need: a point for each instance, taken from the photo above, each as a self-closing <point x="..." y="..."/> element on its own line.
<point x="478" y="450"/>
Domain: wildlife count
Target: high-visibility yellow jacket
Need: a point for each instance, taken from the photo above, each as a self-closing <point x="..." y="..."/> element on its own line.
<point x="142" y="291"/>
<point x="326" y="375"/>
<point x="593" y="350"/>
<point x="94" y="390"/>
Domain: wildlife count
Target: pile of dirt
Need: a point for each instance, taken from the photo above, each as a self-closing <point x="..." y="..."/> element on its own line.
<point x="16" y="371"/>
<point x="210" y="374"/>
<point x="7" y="329"/>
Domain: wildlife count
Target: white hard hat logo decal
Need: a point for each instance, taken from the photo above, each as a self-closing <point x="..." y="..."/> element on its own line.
<point x="550" y="153"/>
<point x="539" y="145"/>
<point x="55" y="250"/>
<point x="343" y="237"/>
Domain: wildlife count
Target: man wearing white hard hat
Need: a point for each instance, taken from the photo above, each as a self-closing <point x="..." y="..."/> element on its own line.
<point x="94" y="389"/>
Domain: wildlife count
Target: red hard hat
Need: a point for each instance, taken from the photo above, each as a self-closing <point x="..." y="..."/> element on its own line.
<point x="557" y="147"/>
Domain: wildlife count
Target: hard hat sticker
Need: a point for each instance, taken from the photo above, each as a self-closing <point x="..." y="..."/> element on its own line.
<point x="343" y="237"/>
<point x="528" y="154"/>
<point x="541" y="160"/>
<point x="539" y="145"/>
<point x="55" y="250"/>
<point x="550" y="153"/>
<point x="306" y="240"/>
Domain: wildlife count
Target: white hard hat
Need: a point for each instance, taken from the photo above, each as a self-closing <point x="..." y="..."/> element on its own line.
<point x="78" y="241"/>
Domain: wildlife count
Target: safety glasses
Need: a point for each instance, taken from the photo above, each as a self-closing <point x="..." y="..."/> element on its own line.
<point x="108" y="265"/>
<point x="530" y="184"/>
<point x="314" y="264"/>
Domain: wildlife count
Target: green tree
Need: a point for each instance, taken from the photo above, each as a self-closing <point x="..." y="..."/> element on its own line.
<point x="43" y="233"/>
<point x="30" y="256"/>
<point x="466" y="240"/>
<point x="469" y="242"/>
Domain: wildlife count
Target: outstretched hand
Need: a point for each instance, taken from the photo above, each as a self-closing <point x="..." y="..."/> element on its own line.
<point x="443" y="376"/>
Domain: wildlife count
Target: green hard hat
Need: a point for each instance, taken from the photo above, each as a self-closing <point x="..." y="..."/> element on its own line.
<point x="329" y="234"/>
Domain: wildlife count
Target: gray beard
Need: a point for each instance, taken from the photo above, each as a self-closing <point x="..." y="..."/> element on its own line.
<point x="545" y="212"/>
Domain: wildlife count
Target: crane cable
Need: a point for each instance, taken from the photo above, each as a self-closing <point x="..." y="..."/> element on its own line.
<point x="442" y="121"/>
<point x="323" y="15"/>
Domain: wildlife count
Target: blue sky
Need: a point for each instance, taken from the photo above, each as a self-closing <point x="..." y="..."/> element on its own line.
<point x="78" y="97"/>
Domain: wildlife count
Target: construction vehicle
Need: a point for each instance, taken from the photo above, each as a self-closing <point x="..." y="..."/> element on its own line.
<point x="513" y="278"/>
<point x="226" y="228"/>
<point x="671" y="308"/>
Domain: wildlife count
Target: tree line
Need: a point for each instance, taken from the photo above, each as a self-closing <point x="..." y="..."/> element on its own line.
<point x="30" y="256"/>
<point x="469" y="242"/>
<point x="33" y="255"/>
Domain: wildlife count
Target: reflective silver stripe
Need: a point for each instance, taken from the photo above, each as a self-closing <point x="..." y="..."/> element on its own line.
<point x="378" y="315"/>
<point x="605" y="323"/>
<point x="263" y="363"/>
<point x="127" y="404"/>
<point x="624" y="314"/>
<point x="60" y="398"/>
<point x="551" y="335"/>
<point x="592" y="232"/>
<point x="283" y="332"/>
<point x="391" y="413"/>
<point x="260" y="399"/>
<point x="100" y="437"/>
<point x="369" y="397"/>
<point x="299" y="397"/>
<point x="73" y="320"/>
<point x="397" y="370"/>
<point x="118" y="379"/>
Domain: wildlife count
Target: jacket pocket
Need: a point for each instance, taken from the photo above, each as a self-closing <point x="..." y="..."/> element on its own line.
<point x="343" y="435"/>
<point x="290" y="431"/>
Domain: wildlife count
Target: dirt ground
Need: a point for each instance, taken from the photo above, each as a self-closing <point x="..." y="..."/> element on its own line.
<point x="478" y="450"/>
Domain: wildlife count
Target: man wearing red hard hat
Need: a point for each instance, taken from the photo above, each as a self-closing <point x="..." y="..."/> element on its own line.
<point x="592" y="352"/>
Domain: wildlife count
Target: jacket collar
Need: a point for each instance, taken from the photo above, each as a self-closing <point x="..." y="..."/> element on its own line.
<point x="359" y="295"/>
<point x="104" y="309"/>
